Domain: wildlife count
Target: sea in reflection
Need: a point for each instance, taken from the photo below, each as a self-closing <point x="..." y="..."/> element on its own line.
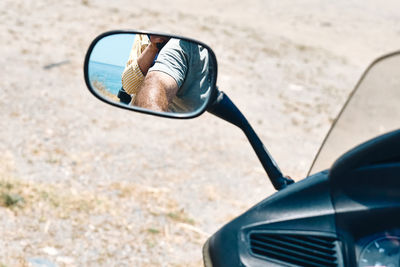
<point x="109" y="76"/>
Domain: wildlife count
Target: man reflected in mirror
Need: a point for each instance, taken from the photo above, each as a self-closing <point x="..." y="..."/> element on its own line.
<point x="179" y="81"/>
<point x="144" y="51"/>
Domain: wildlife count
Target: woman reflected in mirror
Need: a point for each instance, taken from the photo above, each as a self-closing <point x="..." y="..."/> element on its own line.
<point x="144" y="51"/>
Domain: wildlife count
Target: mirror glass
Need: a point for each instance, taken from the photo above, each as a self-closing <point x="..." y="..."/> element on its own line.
<point x="152" y="73"/>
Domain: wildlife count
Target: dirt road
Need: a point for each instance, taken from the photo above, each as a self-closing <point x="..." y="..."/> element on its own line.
<point x="86" y="184"/>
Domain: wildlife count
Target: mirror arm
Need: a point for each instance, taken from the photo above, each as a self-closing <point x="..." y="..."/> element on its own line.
<point x="224" y="108"/>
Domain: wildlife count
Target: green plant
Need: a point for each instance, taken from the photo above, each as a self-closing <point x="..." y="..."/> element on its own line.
<point x="153" y="231"/>
<point x="10" y="200"/>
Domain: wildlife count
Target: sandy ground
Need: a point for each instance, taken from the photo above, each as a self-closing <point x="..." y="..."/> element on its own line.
<point x="86" y="184"/>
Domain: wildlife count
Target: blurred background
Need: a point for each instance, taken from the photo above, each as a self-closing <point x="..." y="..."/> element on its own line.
<point x="86" y="184"/>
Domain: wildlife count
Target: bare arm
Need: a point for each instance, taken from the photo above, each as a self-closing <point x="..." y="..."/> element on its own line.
<point x="156" y="92"/>
<point x="145" y="60"/>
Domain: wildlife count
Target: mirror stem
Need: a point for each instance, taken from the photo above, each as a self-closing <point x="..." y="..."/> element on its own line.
<point x="224" y="108"/>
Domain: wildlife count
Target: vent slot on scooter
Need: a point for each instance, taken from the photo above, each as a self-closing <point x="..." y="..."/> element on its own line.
<point x="296" y="250"/>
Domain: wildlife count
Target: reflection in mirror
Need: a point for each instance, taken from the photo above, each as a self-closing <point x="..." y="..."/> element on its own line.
<point x="153" y="72"/>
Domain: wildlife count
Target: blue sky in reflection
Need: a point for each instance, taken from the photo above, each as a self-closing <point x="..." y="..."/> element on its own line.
<point x="113" y="49"/>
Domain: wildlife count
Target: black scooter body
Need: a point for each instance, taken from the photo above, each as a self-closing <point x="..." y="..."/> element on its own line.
<point x="318" y="221"/>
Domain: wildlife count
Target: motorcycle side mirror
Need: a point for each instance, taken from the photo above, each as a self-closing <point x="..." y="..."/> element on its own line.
<point x="168" y="76"/>
<point x="153" y="73"/>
